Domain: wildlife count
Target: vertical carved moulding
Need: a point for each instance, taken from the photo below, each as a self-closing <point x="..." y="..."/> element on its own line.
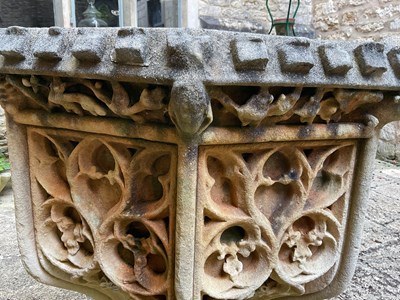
<point x="192" y="165"/>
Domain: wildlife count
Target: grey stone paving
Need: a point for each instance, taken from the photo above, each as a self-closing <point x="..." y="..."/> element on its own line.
<point x="377" y="275"/>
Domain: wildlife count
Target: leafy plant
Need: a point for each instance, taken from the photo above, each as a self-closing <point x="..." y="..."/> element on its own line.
<point x="4" y="163"/>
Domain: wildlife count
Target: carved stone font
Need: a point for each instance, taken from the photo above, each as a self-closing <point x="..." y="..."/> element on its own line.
<point x="184" y="164"/>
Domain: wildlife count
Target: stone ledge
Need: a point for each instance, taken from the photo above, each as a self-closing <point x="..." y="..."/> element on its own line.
<point x="346" y="64"/>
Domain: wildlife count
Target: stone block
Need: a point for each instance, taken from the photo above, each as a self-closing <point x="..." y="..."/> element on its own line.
<point x="249" y="54"/>
<point x="13" y="43"/>
<point x="186" y="51"/>
<point x="88" y="47"/>
<point x="296" y="57"/>
<point x="371" y="59"/>
<point x="50" y="47"/>
<point x="335" y="60"/>
<point x="130" y="47"/>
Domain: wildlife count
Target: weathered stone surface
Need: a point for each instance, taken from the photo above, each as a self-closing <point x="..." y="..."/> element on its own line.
<point x="371" y="59"/>
<point x="335" y="60"/>
<point x="389" y="142"/>
<point x="88" y="47"/>
<point x="394" y="58"/>
<point x="250" y="54"/>
<point x="189" y="178"/>
<point x="50" y="47"/>
<point x="296" y="57"/>
<point x="379" y="254"/>
<point x="14" y="42"/>
<point x="249" y="15"/>
<point x="3" y="130"/>
<point x="130" y="47"/>
<point x="341" y="19"/>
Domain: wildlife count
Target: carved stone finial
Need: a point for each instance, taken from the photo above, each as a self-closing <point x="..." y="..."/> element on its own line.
<point x="190" y="107"/>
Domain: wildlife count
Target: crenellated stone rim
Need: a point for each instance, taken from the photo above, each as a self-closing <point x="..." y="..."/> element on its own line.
<point x="158" y="55"/>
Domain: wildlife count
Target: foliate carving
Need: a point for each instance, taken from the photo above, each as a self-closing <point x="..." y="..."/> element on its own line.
<point x="141" y="103"/>
<point x="274" y="105"/>
<point x="273" y="217"/>
<point x="309" y="248"/>
<point x="191" y="106"/>
<point x="104" y="212"/>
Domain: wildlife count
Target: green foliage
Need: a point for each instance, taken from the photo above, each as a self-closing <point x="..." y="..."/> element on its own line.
<point x="4" y="163"/>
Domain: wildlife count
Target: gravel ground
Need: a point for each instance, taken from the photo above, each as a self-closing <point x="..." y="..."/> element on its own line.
<point x="377" y="275"/>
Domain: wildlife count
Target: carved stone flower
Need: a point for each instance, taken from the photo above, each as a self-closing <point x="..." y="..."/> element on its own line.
<point x="73" y="231"/>
<point x="229" y="252"/>
<point x="309" y="248"/>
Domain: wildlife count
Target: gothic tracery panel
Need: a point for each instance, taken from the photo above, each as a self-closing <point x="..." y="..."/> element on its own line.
<point x="104" y="211"/>
<point x="273" y="216"/>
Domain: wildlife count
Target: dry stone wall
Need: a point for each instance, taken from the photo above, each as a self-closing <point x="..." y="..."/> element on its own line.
<point x="250" y="15"/>
<point x="352" y="19"/>
<point x="389" y="142"/>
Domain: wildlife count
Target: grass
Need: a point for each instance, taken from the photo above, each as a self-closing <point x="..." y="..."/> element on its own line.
<point x="4" y="163"/>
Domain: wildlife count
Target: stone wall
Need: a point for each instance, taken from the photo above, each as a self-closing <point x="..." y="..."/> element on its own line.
<point x="389" y="142"/>
<point x="353" y="19"/>
<point x="252" y="14"/>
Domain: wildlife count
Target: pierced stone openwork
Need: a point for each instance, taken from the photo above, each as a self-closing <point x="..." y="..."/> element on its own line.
<point x="202" y="165"/>
<point x="272" y="214"/>
<point x="105" y="210"/>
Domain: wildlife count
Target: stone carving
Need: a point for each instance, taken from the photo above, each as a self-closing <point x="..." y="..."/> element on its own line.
<point x="96" y="98"/>
<point x="190" y="107"/>
<point x="103" y="209"/>
<point x="269" y="106"/>
<point x="190" y="164"/>
<point x="272" y="214"/>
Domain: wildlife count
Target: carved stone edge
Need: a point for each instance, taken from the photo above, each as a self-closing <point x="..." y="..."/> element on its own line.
<point x="349" y="253"/>
<point x="212" y="57"/>
<point x="18" y="149"/>
<point x="354" y="226"/>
